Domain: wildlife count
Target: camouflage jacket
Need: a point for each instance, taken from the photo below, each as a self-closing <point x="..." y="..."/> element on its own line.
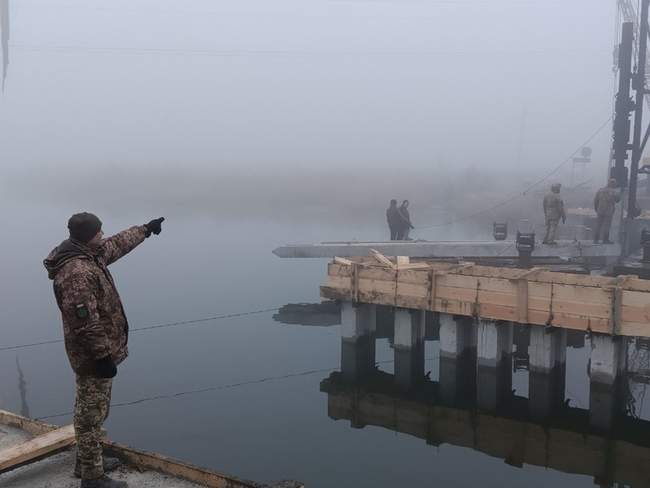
<point x="553" y="207"/>
<point x="94" y="322"/>
<point x="392" y="216"/>
<point x="605" y="201"/>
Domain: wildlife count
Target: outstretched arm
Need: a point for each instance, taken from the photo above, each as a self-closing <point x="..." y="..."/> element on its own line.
<point x="123" y="242"/>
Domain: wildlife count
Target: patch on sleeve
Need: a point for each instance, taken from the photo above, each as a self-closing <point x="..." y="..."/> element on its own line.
<point x="82" y="311"/>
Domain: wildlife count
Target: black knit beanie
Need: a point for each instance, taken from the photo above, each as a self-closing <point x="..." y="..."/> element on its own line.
<point x="84" y="226"/>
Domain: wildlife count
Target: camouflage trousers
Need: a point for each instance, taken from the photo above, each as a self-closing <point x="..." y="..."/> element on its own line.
<point x="90" y="411"/>
<point x="551" y="230"/>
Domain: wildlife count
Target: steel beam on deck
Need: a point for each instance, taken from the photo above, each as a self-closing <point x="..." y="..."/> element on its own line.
<point x="446" y="249"/>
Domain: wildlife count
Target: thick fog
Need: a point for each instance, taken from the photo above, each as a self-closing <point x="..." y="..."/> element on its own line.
<point x="296" y="108"/>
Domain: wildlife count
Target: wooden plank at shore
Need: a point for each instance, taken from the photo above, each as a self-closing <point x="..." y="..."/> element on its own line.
<point x="177" y="469"/>
<point x="30" y="426"/>
<point x="36" y="448"/>
<point x="138" y="458"/>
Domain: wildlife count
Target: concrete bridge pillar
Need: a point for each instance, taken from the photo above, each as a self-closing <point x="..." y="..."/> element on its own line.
<point x="458" y="341"/>
<point x="408" y="346"/>
<point x="494" y="355"/>
<point x="607" y="364"/>
<point x="547" y="368"/>
<point x="358" y="326"/>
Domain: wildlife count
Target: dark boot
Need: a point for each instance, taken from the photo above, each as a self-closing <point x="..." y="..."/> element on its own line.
<point x="103" y="482"/>
<point x="110" y="464"/>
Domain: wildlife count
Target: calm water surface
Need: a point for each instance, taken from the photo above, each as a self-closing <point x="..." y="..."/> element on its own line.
<point x="264" y="416"/>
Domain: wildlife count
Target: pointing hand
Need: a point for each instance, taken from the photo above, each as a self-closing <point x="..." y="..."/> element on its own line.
<point x="154" y="226"/>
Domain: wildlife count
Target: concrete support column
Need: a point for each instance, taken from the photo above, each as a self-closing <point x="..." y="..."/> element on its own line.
<point x="408" y="346"/>
<point x="458" y="341"/>
<point x="607" y="364"/>
<point x="358" y="326"/>
<point x="547" y="368"/>
<point x="494" y="375"/>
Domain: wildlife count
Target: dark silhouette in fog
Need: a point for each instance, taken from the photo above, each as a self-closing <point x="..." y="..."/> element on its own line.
<point x="4" y="38"/>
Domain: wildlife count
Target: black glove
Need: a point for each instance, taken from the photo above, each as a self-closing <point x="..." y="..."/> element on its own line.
<point x="105" y="368"/>
<point x="154" y="226"/>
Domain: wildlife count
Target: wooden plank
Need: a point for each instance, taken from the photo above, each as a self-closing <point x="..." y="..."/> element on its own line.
<point x="140" y="459"/>
<point x="343" y="261"/>
<point x="30" y="426"/>
<point x="402" y="260"/>
<point x="177" y="469"/>
<point x="36" y="448"/>
<point x="522" y="301"/>
<point x="381" y="258"/>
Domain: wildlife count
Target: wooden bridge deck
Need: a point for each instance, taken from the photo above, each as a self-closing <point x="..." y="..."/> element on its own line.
<point x="616" y="306"/>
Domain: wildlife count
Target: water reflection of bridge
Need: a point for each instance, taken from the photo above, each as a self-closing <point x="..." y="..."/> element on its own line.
<point x="472" y="404"/>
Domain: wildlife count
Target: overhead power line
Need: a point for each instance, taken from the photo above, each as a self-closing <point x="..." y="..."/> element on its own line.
<point x="227" y="386"/>
<point x="155" y="326"/>
<point x="294" y="52"/>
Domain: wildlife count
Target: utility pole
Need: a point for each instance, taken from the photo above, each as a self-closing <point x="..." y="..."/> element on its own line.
<point x="640" y="89"/>
<point x="623" y="106"/>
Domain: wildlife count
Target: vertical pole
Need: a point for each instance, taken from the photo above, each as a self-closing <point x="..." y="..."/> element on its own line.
<point x="639" y="87"/>
<point x="622" y="106"/>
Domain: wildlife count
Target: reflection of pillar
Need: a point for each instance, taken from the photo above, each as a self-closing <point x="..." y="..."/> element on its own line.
<point x="520" y="357"/>
<point x="458" y="336"/>
<point x="547" y="369"/>
<point x="385" y="322"/>
<point x="358" y="324"/>
<point x="409" y="347"/>
<point x="606" y="364"/>
<point x="494" y="351"/>
<point x="432" y="327"/>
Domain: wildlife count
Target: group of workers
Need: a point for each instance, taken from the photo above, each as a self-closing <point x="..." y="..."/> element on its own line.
<point x="604" y="204"/>
<point x="399" y="221"/>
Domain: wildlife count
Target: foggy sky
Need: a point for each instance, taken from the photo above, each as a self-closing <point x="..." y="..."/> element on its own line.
<point x="115" y="98"/>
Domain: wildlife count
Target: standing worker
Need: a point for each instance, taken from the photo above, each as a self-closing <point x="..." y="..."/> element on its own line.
<point x="393" y="218"/>
<point x="605" y="205"/>
<point x="95" y="328"/>
<point x="405" y="225"/>
<point x="553" y="212"/>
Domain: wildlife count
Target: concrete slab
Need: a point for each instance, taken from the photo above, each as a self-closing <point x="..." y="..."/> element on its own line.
<point x="56" y="471"/>
<point x="445" y="249"/>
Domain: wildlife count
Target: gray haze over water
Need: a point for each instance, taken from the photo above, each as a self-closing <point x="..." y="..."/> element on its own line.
<point x="250" y="124"/>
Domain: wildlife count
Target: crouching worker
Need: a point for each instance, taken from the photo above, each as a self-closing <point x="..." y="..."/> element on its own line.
<point x="94" y="327"/>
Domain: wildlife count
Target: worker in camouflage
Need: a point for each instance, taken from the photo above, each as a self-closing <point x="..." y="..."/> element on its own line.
<point x="553" y="213"/>
<point x="95" y="327"/>
<point x="605" y="205"/>
<point x="393" y="218"/>
<point x="404" y="225"/>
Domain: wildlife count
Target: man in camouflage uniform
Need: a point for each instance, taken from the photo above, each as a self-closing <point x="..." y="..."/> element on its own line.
<point x="605" y="205"/>
<point x="95" y="328"/>
<point x="553" y="212"/>
<point x="393" y="219"/>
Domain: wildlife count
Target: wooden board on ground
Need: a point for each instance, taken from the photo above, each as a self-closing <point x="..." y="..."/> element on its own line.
<point x="36" y="448"/>
<point x="137" y="458"/>
<point x="618" y="306"/>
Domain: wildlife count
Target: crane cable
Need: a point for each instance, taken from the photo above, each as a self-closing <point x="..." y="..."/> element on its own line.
<point x="517" y="195"/>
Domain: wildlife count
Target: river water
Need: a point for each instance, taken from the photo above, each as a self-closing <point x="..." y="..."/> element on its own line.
<point x="249" y="125"/>
<point x="259" y="412"/>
